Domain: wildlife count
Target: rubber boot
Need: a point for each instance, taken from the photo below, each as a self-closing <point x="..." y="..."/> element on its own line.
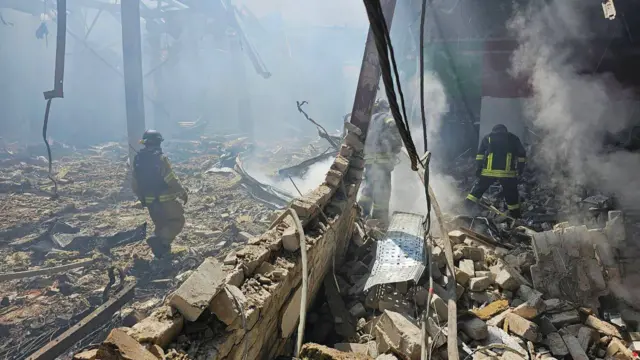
<point x="158" y="247"/>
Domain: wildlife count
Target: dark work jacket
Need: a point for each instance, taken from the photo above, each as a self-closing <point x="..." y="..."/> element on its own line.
<point x="501" y="155"/>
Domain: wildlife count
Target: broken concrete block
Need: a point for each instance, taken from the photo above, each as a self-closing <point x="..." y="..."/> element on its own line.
<point x="498" y="320"/>
<point x="333" y="178"/>
<point x="479" y="283"/>
<point x="467" y="267"/>
<point x="252" y="256"/>
<point x="457" y="236"/>
<point x="313" y="351"/>
<point x="499" y="336"/>
<point x="438" y="334"/>
<point x="530" y="308"/>
<point x="235" y="277"/>
<point x="159" y="328"/>
<point x="341" y="163"/>
<point x="386" y="357"/>
<point x="506" y="281"/>
<point x="457" y="255"/>
<point x="438" y="257"/>
<point x="492" y="309"/>
<point x="462" y="277"/>
<point x="602" y="327"/>
<point x="475" y="329"/>
<point x="585" y="337"/>
<point x="472" y="252"/>
<point x="522" y="327"/>
<point x="120" y="346"/>
<point x="244" y="236"/>
<point x="618" y="350"/>
<point x="399" y="333"/>
<point x="525" y="293"/>
<point x="440" y="307"/>
<point x="576" y="351"/>
<point x="565" y="318"/>
<point x="224" y="307"/>
<point x="557" y="345"/>
<point x="358" y="310"/>
<point x="231" y="259"/>
<point x="370" y="348"/>
<point x="157" y="351"/>
<point x="354" y="141"/>
<point x="195" y="294"/>
<point x="290" y="239"/>
<point x="86" y="355"/>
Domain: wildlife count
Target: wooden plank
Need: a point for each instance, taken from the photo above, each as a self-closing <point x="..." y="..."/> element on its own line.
<point x="45" y="271"/>
<point x="94" y="320"/>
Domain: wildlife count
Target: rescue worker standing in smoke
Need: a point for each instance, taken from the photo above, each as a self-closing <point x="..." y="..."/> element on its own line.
<point x="157" y="187"/>
<point x="381" y="155"/>
<point x="501" y="158"/>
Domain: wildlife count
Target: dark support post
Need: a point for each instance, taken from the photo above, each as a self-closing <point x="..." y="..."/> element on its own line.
<point x="132" y="61"/>
<point x="369" y="75"/>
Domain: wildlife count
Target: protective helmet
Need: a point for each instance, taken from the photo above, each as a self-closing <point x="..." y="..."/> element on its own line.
<point x="380" y="105"/>
<point x="500" y="128"/>
<point x="151" y="137"/>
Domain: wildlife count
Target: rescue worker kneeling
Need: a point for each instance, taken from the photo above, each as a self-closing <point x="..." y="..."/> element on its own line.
<point x="381" y="155"/>
<point x="501" y="157"/>
<point x="157" y="187"/>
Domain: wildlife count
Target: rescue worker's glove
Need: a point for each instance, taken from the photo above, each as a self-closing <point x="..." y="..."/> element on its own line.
<point x="184" y="197"/>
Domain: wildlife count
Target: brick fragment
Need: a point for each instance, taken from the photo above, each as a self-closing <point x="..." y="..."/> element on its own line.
<point x="522" y="327"/>
<point x="159" y="328"/>
<point x="120" y="346"/>
<point x="195" y="294"/>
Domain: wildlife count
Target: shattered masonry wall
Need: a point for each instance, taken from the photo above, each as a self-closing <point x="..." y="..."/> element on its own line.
<point x="272" y="307"/>
<point x="277" y="310"/>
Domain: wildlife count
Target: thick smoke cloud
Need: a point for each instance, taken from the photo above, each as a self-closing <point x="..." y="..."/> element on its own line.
<point x="573" y="110"/>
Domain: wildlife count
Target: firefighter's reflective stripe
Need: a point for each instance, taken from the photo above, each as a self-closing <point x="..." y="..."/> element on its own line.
<point x="499" y="173"/>
<point x="161" y="198"/>
<point x="489" y="162"/>
<point x="480" y="157"/>
<point x="389" y="120"/>
<point x="513" y="207"/>
<point x="522" y="159"/>
<point x="472" y="198"/>
<point x="508" y="163"/>
<point x="380" y="159"/>
<point x="170" y="176"/>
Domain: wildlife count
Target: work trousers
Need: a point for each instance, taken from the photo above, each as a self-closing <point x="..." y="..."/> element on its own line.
<point x="168" y="219"/>
<point x="376" y="192"/>
<point x="509" y="190"/>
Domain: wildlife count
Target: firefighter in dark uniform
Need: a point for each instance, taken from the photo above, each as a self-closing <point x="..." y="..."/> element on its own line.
<point x="382" y="147"/>
<point x="157" y="187"/>
<point x="501" y="158"/>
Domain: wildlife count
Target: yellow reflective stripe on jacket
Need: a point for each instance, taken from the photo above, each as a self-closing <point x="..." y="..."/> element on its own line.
<point x="161" y="198"/>
<point x="499" y="173"/>
<point x="522" y="159"/>
<point x="513" y="207"/>
<point x="472" y="198"/>
<point x="170" y="176"/>
<point x="489" y="162"/>
<point x="508" y="164"/>
<point x="389" y="120"/>
<point x="480" y="157"/>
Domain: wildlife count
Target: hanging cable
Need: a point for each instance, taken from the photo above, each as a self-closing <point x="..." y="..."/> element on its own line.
<point x="46" y="142"/>
<point x="376" y="20"/>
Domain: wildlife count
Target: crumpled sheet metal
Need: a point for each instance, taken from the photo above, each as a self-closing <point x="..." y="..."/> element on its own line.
<point x="401" y="255"/>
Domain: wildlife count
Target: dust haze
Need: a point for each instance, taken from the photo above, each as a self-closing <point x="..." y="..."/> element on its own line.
<point x="312" y="52"/>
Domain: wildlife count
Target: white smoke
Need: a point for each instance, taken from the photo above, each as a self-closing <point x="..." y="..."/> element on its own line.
<point x="407" y="190"/>
<point x="572" y="110"/>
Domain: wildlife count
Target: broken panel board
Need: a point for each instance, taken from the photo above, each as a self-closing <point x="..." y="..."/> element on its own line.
<point x="567" y="267"/>
<point x="400" y="256"/>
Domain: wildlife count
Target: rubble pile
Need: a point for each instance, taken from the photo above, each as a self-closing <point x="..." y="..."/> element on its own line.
<point x="521" y="304"/>
<point x="96" y="222"/>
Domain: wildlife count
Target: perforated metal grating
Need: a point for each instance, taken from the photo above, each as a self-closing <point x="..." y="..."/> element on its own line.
<point x="400" y="256"/>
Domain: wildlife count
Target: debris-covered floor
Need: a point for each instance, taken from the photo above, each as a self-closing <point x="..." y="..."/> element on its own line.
<point x="96" y="222"/>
